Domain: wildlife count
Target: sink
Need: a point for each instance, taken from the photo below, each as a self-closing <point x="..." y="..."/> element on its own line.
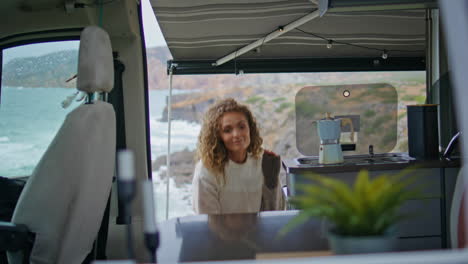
<point x="385" y="158"/>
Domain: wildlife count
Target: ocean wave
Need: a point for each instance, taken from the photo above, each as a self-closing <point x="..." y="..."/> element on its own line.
<point x="4" y="139"/>
<point x="183" y="136"/>
<point x="19" y="158"/>
<point x="180" y="201"/>
<point x="184" y="142"/>
<point x="18" y="148"/>
<point x="178" y="127"/>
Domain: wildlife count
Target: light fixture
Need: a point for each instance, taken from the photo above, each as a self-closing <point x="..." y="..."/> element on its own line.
<point x="330" y="44"/>
<point x="384" y="54"/>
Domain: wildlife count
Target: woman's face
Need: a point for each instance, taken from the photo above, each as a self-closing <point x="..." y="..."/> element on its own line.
<point x="235" y="133"/>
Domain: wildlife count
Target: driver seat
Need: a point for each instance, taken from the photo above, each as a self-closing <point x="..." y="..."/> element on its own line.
<point x="63" y="202"/>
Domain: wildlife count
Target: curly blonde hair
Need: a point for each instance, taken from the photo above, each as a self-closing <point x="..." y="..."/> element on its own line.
<point x="210" y="147"/>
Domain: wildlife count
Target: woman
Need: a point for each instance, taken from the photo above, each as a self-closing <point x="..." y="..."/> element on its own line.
<point x="234" y="173"/>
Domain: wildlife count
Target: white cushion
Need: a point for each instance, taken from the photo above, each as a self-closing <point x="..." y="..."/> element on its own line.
<point x="95" y="62"/>
<point x="65" y="198"/>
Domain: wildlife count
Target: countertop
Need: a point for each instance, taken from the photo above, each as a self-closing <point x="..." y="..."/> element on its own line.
<point x="248" y="236"/>
<point x="292" y="166"/>
<point x="236" y="236"/>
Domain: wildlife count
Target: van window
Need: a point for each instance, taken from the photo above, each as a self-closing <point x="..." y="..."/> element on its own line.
<point x="33" y="87"/>
<point x="272" y="98"/>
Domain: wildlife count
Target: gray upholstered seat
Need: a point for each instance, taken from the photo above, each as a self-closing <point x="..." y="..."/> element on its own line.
<point x="64" y="200"/>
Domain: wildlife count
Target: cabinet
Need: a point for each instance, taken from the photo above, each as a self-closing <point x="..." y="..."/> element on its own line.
<point x="428" y="228"/>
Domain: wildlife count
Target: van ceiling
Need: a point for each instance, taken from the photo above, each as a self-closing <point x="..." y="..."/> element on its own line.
<point x="30" y="20"/>
<point x="210" y="29"/>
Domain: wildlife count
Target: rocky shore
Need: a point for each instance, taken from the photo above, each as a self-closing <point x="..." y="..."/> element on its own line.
<point x="182" y="166"/>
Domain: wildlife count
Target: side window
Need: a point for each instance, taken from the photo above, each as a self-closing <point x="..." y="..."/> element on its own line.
<point x="34" y="84"/>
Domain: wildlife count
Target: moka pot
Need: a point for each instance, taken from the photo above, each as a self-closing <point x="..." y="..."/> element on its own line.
<point x="329" y="131"/>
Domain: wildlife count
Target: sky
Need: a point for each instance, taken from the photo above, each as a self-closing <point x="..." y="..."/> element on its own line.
<point x="153" y="38"/>
<point x="153" y="35"/>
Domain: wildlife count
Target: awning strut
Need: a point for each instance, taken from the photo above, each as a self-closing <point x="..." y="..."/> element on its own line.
<point x="278" y="32"/>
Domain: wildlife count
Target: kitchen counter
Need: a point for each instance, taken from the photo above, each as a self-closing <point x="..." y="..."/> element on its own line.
<point x="236" y="236"/>
<point x="293" y="166"/>
<point x="250" y="236"/>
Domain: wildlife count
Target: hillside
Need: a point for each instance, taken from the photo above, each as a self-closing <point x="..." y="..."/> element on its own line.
<point x="51" y="70"/>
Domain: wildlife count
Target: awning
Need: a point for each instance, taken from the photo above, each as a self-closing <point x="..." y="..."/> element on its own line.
<point x="202" y="31"/>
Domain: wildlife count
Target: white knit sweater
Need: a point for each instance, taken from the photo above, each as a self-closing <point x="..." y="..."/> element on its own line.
<point x="242" y="192"/>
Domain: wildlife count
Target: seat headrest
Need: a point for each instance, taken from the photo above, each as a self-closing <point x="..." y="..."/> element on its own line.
<point x="95" y="62"/>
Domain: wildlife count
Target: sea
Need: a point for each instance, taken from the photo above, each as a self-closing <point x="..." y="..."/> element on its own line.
<point x="30" y="118"/>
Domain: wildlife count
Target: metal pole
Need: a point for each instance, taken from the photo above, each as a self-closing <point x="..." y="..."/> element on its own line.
<point x="280" y="31"/>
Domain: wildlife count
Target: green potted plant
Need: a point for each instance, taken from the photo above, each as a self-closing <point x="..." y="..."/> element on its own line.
<point x="362" y="215"/>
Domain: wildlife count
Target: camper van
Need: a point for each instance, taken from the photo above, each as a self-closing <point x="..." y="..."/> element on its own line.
<point x="92" y="106"/>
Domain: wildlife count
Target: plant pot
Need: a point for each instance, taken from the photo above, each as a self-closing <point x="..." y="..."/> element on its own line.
<point x="361" y="244"/>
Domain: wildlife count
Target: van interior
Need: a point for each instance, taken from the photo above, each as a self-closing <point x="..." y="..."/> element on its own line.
<point x="102" y="103"/>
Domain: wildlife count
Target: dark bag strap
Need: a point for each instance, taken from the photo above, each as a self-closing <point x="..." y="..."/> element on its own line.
<point x="272" y="196"/>
<point x="271" y="165"/>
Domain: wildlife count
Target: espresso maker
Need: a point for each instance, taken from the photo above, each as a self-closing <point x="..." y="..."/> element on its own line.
<point x="329" y="131"/>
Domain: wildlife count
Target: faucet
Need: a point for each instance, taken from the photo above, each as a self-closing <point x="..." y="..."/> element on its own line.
<point x="451" y="146"/>
<point x="371" y="151"/>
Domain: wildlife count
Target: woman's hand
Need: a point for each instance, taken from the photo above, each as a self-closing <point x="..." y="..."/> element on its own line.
<point x="269" y="152"/>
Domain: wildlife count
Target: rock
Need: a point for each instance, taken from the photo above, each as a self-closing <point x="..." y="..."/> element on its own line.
<point x="184" y="107"/>
<point x="191" y="107"/>
<point x="182" y="166"/>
